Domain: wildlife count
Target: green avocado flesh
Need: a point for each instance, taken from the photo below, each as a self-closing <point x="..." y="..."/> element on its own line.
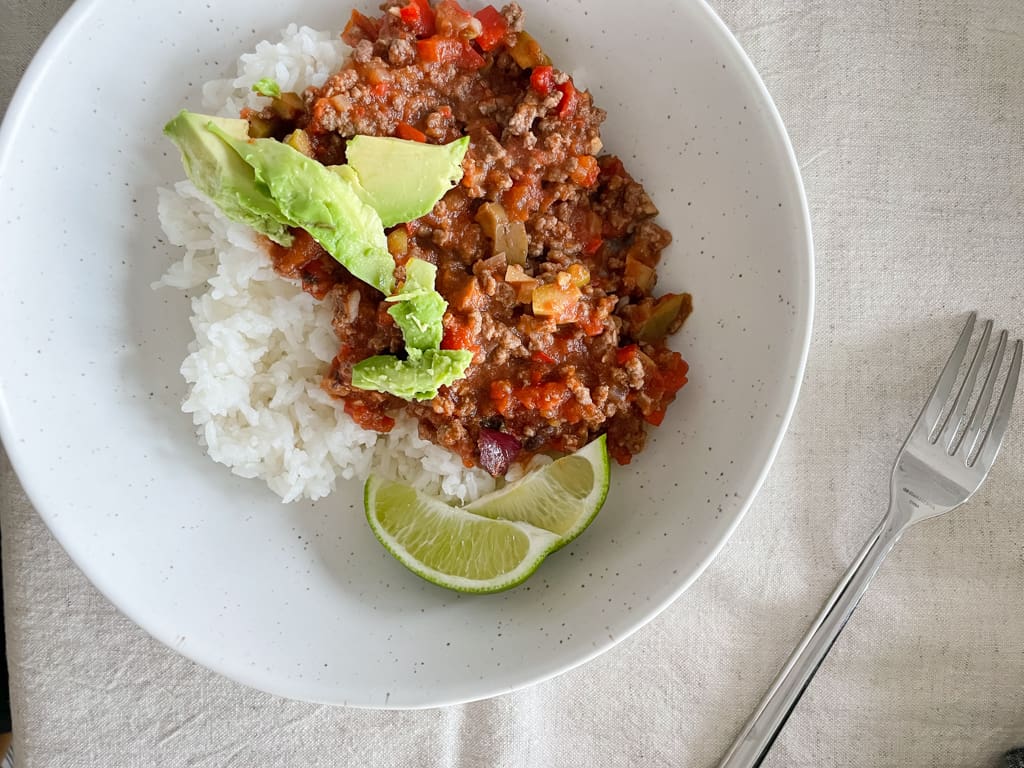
<point x="418" y="312"/>
<point x="418" y="308"/>
<point x="416" y="378"/>
<point x="220" y="174"/>
<point x="320" y="202"/>
<point x="403" y="180"/>
<point x="272" y="187"/>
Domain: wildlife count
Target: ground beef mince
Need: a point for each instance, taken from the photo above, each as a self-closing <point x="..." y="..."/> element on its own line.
<point x="546" y="252"/>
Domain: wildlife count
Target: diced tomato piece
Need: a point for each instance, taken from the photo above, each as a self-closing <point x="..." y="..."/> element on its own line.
<point x="494" y="28"/>
<point x="590" y="322"/>
<point x="542" y="80"/>
<point x="457" y="335"/>
<point x="470" y="59"/>
<point x="380" y="90"/>
<point x="316" y="279"/>
<point x="655" y="417"/>
<point x="547" y="399"/>
<point x="619" y="453"/>
<point x="452" y="20"/>
<point x="624" y="354"/>
<point x="360" y="27"/>
<point x="593" y="246"/>
<point x="612" y="166"/>
<point x="501" y="396"/>
<point x="567" y="106"/>
<point x="672" y="370"/>
<point x="368" y="418"/>
<point x="419" y="17"/>
<point x="540" y="356"/>
<point x="407" y="132"/>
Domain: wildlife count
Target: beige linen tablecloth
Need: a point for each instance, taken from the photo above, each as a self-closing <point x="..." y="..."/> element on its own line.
<point x="907" y="121"/>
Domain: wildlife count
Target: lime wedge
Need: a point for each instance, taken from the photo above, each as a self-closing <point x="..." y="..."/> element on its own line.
<point x="500" y="539"/>
<point x="562" y="497"/>
<point x="451" y="547"/>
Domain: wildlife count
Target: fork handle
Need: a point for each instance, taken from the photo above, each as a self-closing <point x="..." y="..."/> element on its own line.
<point x="752" y="745"/>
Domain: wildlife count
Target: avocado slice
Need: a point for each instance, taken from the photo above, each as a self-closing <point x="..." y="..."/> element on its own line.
<point x="348" y="174"/>
<point x="418" y="308"/>
<point x="403" y="180"/>
<point x="319" y="201"/>
<point x="220" y="174"/>
<point x="416" y="378"/>
<point x="418" y="311"/>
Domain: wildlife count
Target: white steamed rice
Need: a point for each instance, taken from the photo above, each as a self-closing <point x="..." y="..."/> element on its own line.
<point x="262" y="344"/>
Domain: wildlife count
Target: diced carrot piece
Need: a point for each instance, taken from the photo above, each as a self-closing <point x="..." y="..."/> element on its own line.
<point x="407" y="132"/>
<point x="586" y="171"/>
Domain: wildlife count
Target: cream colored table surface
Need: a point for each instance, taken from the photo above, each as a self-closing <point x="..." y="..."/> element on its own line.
<point x="907" y="120"/>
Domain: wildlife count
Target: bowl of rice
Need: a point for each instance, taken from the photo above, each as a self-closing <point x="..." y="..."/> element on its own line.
<point x="175" y="341"/>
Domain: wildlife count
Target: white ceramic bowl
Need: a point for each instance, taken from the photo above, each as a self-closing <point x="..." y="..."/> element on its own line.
<point x="300" y="600"/>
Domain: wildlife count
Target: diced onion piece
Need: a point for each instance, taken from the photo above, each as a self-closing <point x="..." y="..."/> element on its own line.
<point x="579" y="275"/>
<point x="557" y="302"/>
<point x="497" y="451"/>
<point x="299" y="140"/>
<point x="398" y="242"/>
<point x="638" y="275"/>
<point x="490" y="216"/>
<point x="509" y="237"/>
<point x="511" y="240"/>
<point x="288" y="106"/>
<point x="516" y="276"/>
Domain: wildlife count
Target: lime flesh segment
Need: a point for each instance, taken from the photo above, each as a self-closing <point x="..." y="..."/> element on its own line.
<point x="562" y="497"/>
<point x="449" y="546"/>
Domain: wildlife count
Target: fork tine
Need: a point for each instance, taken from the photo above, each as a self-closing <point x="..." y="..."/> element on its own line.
<point x="940" y="394"/>
<point x="970" y="440"/>
<point x="958" y="413"/>
<point x="994" y="438"/>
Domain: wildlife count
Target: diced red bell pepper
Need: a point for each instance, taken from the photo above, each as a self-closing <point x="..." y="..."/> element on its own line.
<point x="419" y="17"/>
<point x="448" y="49"/>
<point x="470" y="59"/>
<point x="495" y="27"/>
<point x="407" y="132"/>
<point x="593" y="246"/>
<point x="457" y="335"/>
<point x="542" y="80"/>
<point x="567" y="106"/>
<point x="655" y="417"/>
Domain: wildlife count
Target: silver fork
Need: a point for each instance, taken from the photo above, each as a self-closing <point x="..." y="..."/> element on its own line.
<point x="945" y="459"/>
